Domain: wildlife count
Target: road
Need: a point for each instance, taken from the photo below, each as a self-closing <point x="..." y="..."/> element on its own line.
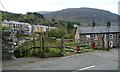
<point x="98" y="60"/>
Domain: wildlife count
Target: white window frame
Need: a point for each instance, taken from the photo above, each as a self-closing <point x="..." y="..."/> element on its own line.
<point x="110" y="36"/>
<point x="104" y="36"/>
<point x="95" y="36"/>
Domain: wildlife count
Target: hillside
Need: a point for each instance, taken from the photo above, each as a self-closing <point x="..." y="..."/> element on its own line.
<point x="84" y="15"/>
<point x="30" y="17"/>
<point x="44" y="12"/>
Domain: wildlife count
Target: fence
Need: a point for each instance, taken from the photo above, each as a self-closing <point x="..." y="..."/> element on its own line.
<point x="50" y="47"/>
<point x="41" y="47"/>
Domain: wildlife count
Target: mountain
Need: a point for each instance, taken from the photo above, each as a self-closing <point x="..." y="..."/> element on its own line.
<point x="44" y="12"/>
<point x="84" y="15"/>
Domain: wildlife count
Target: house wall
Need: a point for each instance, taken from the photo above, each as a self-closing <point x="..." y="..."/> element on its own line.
<point x="118" y="40"/>
<point x="115" y="39"/>
<point x="40" y="28"/>
<point x="112" y="41"/>
<point x="18" y="26"/>
<point x="97" y="38"/>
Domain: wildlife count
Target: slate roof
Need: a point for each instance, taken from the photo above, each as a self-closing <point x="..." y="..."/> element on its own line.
<point x="98" y="29"/>
<point x="15" y="22"/>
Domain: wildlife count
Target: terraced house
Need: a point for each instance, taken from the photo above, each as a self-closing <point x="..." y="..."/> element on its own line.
<point x="42" y="28"/>
<point x="107" y="34"/>
<point x="18" y="27"/>
<point x="26" y="28"/>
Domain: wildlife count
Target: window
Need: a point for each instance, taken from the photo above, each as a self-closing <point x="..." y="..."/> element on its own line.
<point x="94" y="36"/>
<point x="119" y="36"/>
<point x="111" y="36"/>
<point x="104" y="35"/>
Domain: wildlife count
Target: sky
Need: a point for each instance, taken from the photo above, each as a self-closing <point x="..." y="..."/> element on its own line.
<point x="23" y="6"/>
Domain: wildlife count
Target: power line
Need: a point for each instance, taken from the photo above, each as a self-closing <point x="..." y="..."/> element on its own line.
<point x="2" y="5"/>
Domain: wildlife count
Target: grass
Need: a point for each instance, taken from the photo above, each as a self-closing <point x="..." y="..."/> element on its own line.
<point x="31" y="62"/>
<point x="51" y="52"/>
<point x="70" y="44"/>
<point x="69" y="53"/>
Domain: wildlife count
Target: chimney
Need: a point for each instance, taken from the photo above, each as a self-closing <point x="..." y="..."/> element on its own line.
<point x="93" y="24"/>
<point x="108" y="24"/>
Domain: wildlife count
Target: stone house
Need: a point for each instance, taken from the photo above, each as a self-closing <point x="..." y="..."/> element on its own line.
<point x="106" y="34"/>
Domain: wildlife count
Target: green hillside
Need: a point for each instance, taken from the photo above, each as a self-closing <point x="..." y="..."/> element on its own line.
<point x="30" y="17"/>
<point x="84" y="15"/>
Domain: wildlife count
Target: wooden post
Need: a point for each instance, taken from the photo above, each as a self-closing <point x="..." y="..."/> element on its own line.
<point x="33" y="33"/>
<point x="48" y="32"/>
<point x="62" y="47"/>
<point x="25" y="49"/>
<point x="42" y="47"/>
<point x="33" y="39"/>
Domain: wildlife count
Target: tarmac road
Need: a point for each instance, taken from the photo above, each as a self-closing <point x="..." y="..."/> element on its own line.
<point x="98" y="60"/>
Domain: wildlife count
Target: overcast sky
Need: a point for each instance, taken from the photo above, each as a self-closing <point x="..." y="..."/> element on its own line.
<point x="23" y="6"/>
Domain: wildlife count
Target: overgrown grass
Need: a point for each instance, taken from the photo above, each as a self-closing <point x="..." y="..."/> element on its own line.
<point x="70" y="44"/>
<point x="24" y="50"/>
<point x="53" y="52"/>
<point x="49" y="52"/>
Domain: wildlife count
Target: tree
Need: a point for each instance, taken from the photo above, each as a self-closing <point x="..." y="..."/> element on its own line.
<point x="58" y="33"/>
<point x="53" y="33"/>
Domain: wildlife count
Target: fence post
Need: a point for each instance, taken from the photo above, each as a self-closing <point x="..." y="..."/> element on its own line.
<point x="62" y="47"/>
<point x="33" y="34"/>
<point x="34" y="42"/>
<point x="42" y="46"/>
